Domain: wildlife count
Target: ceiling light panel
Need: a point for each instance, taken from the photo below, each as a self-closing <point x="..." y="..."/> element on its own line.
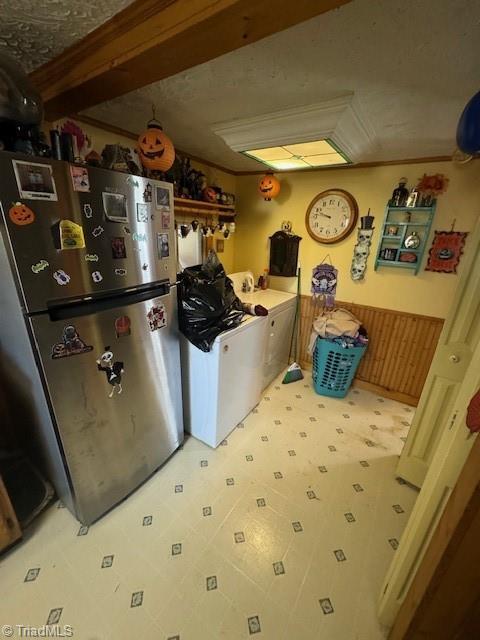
<point x="271" y="153"/>
<point x="291" y="163"/>
<point x="311" y="148"/>
<point x="324" y="160"/>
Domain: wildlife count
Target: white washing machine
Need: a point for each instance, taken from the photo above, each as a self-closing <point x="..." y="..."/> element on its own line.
<point x="221" y="387"/>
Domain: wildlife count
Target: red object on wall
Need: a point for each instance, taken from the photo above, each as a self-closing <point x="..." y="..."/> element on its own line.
<point x="473" y="413"/>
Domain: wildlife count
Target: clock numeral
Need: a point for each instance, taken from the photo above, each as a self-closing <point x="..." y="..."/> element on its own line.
<point x="327" y="232"/>
<point x="332" y="202"/>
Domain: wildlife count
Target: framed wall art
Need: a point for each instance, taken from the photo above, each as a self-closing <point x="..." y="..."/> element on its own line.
<point x="447" y="248"/>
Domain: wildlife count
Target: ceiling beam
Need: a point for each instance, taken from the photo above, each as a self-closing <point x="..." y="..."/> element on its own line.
<point x="154" y="39"/>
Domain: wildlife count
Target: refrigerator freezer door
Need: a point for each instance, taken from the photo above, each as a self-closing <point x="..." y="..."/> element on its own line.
<point x="114" y="384"/>
<point x="127" y="223"/>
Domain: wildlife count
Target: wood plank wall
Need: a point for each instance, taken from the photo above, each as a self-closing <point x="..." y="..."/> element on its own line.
<point x="400" y="350"/>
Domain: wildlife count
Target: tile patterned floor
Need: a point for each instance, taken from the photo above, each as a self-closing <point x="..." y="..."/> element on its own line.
<point x="284" y="532"/>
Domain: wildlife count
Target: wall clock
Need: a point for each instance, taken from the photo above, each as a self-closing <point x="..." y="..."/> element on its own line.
<point x="331" y="216"/>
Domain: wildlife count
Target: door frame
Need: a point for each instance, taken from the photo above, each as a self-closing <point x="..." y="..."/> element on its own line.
<point x="452" y="551"/>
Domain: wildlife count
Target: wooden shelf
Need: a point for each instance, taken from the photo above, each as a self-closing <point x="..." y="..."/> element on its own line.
<point x="425" y="214"/>
<point x="199" y="207"/>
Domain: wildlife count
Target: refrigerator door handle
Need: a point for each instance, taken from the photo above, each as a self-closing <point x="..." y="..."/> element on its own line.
<point x="94" y="305"/>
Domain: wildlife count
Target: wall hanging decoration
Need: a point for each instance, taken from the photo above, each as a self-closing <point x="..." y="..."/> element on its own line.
<point x="155" y="149"/>
<point x="447" y="248"/>
<point x="362" y="248"/>
<point x="331" y="216"/>
<point x="269" y="186"/>
<point x="324" y="282"/>
<point x="283" y="254"/>
<point x="430" y="187"/>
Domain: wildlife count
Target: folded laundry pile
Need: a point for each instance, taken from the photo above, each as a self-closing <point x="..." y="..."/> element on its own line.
<point x="339" y="326"/>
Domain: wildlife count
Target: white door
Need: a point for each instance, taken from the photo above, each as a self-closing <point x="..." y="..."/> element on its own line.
<point x="453" y="448"/>
<point x="458" y="341"/>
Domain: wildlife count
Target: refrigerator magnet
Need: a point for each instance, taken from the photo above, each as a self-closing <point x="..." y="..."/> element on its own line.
<point x="115" y="206"/>
<point x="166" y="219"/>
<point x="97" y="276"/>
<point x="71" y="344"/>
<point x="71" y="235"/>
<point x="34" y="180"/>
<point x="97" y="231"/>
<point x="113" y="371"/>
<point x="80" y="179"/>
<point x="122" y="326"/>
<point x="148" y="192"/>
<point x="162" y="199"/>
<point x="87" y="211"/>
<point x="20" y="214"/>
<point x="139" y="237"/>
<point x="163" y="249"/>
<point x="142" y="212"/>
<point x="157" y="317"/>
<point x="61" y="277"/>
<point x="91" y="257"/>
<point x="120" y="272"/>
<point x="119" y="250"/>
<point x="133" y="181"/>
<point x="39" y="266"/>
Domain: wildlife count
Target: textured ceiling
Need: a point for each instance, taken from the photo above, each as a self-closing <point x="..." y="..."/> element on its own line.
<point x="411" y="65"/>
<point x="33" y="31"/>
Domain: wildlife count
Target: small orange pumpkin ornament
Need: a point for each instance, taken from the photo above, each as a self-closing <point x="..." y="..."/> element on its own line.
<point x="269" y="186"/>
<point x="21" y="214"/>
<point x="155" y="149"/>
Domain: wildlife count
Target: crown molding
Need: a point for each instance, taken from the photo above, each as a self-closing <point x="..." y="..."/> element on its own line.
<point x="339" y="119"/>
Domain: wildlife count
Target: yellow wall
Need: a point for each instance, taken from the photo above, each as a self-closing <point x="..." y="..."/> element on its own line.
<point x="427" y="293"/>
<point x="101" y="137"/>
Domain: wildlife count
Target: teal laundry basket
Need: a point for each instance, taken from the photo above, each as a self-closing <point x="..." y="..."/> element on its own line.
<point x="334" y="367"/>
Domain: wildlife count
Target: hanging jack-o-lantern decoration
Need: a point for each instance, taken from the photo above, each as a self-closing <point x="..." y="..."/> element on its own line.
<point x="269" y="186"/>
<point x="155" y="149"/>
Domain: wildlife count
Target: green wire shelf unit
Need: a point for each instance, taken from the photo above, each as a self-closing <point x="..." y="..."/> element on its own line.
<point x="405" y="220"/>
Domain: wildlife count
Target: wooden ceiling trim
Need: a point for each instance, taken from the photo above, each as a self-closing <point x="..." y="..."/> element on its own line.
<point x="154" y="39"/>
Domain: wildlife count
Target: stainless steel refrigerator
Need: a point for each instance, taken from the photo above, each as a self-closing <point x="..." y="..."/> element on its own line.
<point x="88" y="324"/>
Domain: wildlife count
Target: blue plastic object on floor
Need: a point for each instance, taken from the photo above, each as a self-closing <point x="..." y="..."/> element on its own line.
<point x="334" y="367"/>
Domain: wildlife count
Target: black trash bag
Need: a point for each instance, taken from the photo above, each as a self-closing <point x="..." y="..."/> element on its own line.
<point x="207" y="303"/>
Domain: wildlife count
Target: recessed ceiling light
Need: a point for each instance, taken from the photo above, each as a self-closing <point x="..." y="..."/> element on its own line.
<point x="302" y="155"/>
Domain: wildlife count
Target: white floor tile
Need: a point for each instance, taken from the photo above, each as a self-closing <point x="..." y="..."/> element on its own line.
<point x="284" y="532"/>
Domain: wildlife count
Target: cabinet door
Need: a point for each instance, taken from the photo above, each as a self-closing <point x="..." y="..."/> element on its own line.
<point x="9" y="529"/>
<point x="279" y="337"/>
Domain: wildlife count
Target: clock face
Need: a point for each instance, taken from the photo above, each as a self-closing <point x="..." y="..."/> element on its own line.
<point x="331" y="216"/>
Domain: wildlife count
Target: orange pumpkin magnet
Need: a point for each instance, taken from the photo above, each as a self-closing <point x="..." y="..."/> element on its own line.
<point x="155" y="149"/>
<point x="21" y="214"/>
<point x="269" y="186"/>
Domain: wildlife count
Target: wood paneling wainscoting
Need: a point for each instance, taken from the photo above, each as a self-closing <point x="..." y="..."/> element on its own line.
<point x="400" y="350"/>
